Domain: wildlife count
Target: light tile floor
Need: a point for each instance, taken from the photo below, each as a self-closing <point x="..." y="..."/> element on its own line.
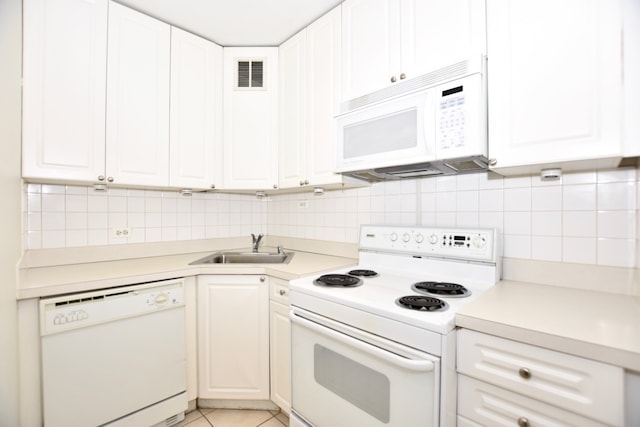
<point x="234" y="418"/>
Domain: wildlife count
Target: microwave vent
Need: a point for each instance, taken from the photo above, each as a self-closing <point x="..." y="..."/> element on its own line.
<point x="472" y="164"/>
<point x="433" y="78"/>
<point x="467" y="165"/>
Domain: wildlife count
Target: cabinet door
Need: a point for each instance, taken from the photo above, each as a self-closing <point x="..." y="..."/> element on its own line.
<point x="554" y="84"/>
<point x="323" y="85"/>
<point x="250" y="118"/>
<point x="196" y="111"/>
<point x="137" y="98"/>
<point x="280" y="337"/>
<point x="292" y="100"/>
<point x="438" y="33"/>
<point x="65" y="54"/>
<point x="233" y="337"/>
<point x="369" y="45"/>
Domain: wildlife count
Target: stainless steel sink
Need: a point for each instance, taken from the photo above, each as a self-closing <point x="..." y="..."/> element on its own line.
<point x="245" y="258"/>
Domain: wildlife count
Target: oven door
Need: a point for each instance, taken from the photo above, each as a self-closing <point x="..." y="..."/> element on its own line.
<point x="342" y="376"/>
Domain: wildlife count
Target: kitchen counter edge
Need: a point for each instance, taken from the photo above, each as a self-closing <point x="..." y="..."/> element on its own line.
<point x="63" y="279"/>
<point x="594" y="325"/>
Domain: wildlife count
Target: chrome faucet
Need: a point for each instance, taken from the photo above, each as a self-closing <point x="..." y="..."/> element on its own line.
<point x="256" y="241"/>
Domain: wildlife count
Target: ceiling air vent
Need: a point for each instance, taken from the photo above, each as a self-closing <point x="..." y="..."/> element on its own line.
<point x="250" y="74"/>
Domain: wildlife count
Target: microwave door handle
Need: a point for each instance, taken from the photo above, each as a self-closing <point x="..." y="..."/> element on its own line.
<point x="394" y="359"/>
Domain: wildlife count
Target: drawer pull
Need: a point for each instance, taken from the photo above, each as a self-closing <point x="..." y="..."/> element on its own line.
<point x="526" y="374"/>
<point x="523" y="422"/>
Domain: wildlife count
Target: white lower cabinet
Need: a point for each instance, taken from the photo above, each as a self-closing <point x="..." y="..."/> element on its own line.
<point x="280" y="344"/>
<point x="503" y="382"/>
<point x="233" y="337"/>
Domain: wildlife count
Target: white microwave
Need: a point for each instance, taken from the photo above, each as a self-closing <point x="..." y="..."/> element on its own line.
<point x="435" y="124"/>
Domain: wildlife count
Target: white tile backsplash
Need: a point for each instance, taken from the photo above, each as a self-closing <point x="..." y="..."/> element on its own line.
<point x="586" y="217"/>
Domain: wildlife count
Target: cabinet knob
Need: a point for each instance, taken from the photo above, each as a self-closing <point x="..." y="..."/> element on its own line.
<point x="493" y="162"/>
<point x="301" y="182"/>
<point x="213" y="186"/>
<point x="110" y="179"/>
<point x="262" y="279"/>
<point x="282" y="292"/>
<point x="101" y="178"/>
<point x="275" y="186"/>
<point x="523" y="422"/>
<point x="393" y="79"/>
<point x="525" y="373"/>
<point x="403" y="76"/>
<point x="306" y="182"/>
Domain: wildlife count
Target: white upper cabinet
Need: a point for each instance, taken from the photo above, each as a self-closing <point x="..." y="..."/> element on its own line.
<point x="292" y="148"/>
<point x="196" y="111"/>
<point x="250" y="147"/>
<point x="555" y="84"/>
<point x="137" y="98"/>
<point x="65" y="53"/>
<point x="387" y="41"/>
<point x="309" y="95"/>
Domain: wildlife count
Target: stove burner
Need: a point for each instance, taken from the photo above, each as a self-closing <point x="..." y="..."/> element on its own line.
<point x="363" y="273"/>
<point x="422" y="303"/>
<point x="442" y="289"/>
<point x="338" y="280"/>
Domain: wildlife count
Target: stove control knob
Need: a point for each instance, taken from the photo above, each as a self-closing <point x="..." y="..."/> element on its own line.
<point x="394" y="237"/>
<point x="406" y="237"/>
<point x="433" y="239"/>
<point x="479" y="242"/>
<point x="419" y="238"/>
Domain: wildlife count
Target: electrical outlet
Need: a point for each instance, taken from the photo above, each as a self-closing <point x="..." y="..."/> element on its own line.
<point x="120" y="232"/>
<point x="302" y="204"/>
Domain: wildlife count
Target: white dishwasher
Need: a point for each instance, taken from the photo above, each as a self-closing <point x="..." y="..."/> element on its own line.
<point x="115" y="357"/>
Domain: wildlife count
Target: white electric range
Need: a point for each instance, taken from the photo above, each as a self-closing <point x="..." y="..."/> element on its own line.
<point x="374" y="344"/>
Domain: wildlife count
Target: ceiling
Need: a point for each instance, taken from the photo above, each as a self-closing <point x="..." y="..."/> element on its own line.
<point x="237" y="22"/>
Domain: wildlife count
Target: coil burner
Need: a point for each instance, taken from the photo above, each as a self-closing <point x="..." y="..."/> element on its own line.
<point x="338" y="280"/>
<point x="422" y="303"/>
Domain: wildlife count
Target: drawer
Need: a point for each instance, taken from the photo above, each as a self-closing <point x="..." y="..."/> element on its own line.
<point x="488" y="405"/>
<point x="279" y="291"/>
<point x="583" y="386"/>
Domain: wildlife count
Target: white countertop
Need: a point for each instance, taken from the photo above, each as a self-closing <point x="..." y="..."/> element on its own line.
<point x="595" y="325"/>
<point x="37" y="282"/>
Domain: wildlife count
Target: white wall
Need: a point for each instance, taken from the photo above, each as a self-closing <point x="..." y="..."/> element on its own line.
<point x="587" y="217"/>
<point x="10" y="249"/>
<point x="58" y="216"/>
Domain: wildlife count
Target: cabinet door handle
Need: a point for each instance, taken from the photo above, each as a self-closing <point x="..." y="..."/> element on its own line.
<point x="282" y="292"/>
<point x="101" y="178"/>
<point x="110" y="179"/>
<point x="262" y="279"/>
<point x="523" y="422"/>
<point x="393" y="79"/>
<point x="525" y="373"/>
<point x="403" y="76"/>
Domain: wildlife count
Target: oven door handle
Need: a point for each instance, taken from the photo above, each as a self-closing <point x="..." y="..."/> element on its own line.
<point x="397" y="360"/>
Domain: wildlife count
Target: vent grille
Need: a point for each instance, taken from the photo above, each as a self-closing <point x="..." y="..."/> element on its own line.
<point x="250" y="74"/>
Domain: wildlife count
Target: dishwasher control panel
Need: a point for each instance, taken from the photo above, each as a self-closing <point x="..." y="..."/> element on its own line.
<point x="73" y="311"/>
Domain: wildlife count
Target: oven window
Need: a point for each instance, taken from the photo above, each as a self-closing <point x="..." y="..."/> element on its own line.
<point x="360" y="385"/>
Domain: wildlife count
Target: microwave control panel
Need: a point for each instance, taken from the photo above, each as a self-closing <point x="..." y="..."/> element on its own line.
<point x="452" y="118"/>
<point x="460" y="127"/>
